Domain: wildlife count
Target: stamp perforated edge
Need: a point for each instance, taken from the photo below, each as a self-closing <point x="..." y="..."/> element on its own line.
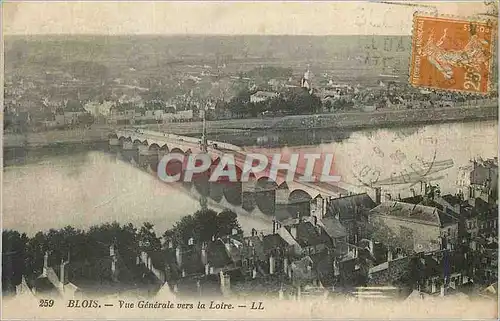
<point x="494" y="44"/>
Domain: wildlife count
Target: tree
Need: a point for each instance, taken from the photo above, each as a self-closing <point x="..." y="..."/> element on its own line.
<point x="183" y="230"/>
<point x="13" y="259"/>
<point x="201" y="226"/>
<point x="300" y="101"/>
<point x="205" y="225"/>
<point x="148" y="241"/>
<point x="227" y="220"/>
<point x="35" y="250"/>
<point x="239" y="104"/>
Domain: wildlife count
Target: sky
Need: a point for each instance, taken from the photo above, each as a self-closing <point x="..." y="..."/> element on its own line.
<point x="256" y="18"/>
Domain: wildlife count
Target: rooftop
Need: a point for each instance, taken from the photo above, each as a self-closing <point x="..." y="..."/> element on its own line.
<point x="347" y="206"/>
<point x="334" y="228"/>
<point x="273" y="241"/>
<point x="307" y="235"/>
<point x="217" y="255"/>
<point x="452" y="199"/>
<point x="425" y="214"/>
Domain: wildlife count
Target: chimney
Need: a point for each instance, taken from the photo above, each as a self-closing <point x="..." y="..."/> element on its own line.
<point x="293" y="231"/>
<point x="336" y="268"/>
<point x="222" y="281"/>
<point x="45" y="263"/>
<point x="372" y="247"/>
<point x="113" y="261"/>
<point x="178" y="255"/>
<point x="271" y="264"/>
<point x="198" y="287"/>
<point x="389" y="255"/>
<point x="207" y="269"/>
<point x="204" y="258"/>
<point x="61" y="273"/>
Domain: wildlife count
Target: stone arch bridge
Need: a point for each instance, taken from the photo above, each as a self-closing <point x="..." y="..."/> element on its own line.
<point x="277" y="198"/>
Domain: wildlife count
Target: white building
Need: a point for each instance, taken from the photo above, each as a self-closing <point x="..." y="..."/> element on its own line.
<point x="262" y="96"/>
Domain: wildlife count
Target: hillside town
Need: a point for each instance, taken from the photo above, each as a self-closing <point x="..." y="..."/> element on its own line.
<point x="426" y="245"/>
<point x="67" y="99"/>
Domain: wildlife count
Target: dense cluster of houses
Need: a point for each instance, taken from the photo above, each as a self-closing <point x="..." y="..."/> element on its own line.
<point x="430" y="243"/>
<point x="182" y="100"/>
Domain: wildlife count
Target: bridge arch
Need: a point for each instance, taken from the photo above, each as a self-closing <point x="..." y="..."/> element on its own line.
<point x="233" y="190"/>
<point x="177" y="150"/>
<point x="154" y="147"/>
<point x="154" y="157"/>
<point x="299" y="203"/>
<point x="265" y="195"/>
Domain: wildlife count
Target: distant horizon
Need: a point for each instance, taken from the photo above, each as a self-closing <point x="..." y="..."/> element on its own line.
<point x="318" y="18"/>
<point x="193" y="35"/>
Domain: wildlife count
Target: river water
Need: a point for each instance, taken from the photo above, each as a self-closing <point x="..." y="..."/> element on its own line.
<point x="82" y="187"/>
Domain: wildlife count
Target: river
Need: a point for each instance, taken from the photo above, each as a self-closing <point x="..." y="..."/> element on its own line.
<point x="84" y="186"/>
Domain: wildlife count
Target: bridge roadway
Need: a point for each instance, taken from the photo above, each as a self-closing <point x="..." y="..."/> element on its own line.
<point x="147" y="147"/>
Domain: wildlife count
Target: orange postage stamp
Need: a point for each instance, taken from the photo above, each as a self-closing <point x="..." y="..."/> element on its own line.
<point x="452" y="54"/>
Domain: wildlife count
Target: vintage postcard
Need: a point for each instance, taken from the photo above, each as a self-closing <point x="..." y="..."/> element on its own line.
<point x="250" y="160"/>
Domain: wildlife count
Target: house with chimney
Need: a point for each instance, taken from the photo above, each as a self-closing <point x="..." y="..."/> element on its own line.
<point x="487" y="217"/>
<point x="304" y="236"/>
<point x="425" y="228"/>
<point x="208" y="258"/>
<point x="110" y="273"/>
<point x="265" y="255"/>
<point x="351" y="210"/>
<point x="484" y="180"/>
<point x="106" y="273"/>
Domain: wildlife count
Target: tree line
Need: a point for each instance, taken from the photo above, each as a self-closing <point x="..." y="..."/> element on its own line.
<point x="294" y="101"/>
<point x="24" y="256"/>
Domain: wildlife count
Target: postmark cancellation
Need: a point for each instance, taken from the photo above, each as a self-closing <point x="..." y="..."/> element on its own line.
<point x="450" y="53"/>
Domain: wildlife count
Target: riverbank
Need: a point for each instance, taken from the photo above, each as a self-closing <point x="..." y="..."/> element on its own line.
<point x="95" y="134"/>
<point x="388" y="118"/>
<point x="344" y="121"/>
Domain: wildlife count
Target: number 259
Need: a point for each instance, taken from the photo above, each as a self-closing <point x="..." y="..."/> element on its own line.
<point x="44" y="303"/>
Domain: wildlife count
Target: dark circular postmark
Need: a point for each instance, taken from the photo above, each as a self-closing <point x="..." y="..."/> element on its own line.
<point x="394" y="166"/>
